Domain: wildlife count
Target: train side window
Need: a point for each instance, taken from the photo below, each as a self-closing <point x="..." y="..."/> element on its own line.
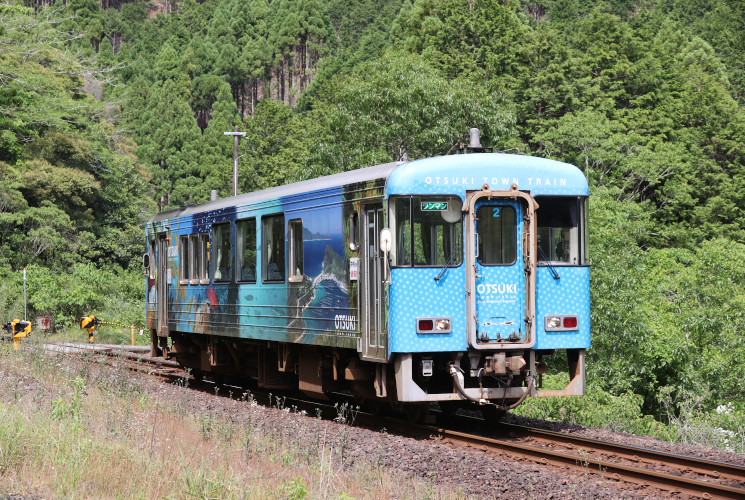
<point x="273" y="243"/>
<point x="153" y="265"/>
<point x="203" y="258"/>
<point x="184" y="256"/>
<point x="296" y="250"/>
<point x="354" y="231"/>
<point x="246" y="250"/>
<point x="195" y="255"/>
<point x="222" y="268"/>
<point x="403" y="231"/>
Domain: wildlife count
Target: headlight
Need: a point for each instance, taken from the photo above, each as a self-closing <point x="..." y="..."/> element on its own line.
<point x="434" y="325"/>
<point x="553" y="322"/>
<point x="443" y="325"/>
<point x="562" y="323"/>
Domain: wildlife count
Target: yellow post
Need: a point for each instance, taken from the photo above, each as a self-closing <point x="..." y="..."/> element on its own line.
<point x="18" y="329"/>
<point x="133" y="335"/>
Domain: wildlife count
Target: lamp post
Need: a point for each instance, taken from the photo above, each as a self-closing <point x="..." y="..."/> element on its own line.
<point x="236" y="135"/>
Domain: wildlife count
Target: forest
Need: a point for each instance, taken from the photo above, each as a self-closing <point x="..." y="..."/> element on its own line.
<point x="112" y="110"/>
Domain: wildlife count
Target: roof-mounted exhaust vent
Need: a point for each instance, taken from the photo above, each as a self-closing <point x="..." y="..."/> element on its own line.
<point x="213" y="195"/>
<point x="474" y="145"/>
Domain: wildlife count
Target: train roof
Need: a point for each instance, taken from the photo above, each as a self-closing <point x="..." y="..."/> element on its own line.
<point x="457" y="174"/>
<point x="319" y="183"/>
<point x="452" y="174"/>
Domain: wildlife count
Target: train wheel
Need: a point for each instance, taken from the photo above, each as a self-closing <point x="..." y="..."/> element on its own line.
<point x="448" y="409"/>
<point x="416" y="412"/>
<point x="376" y="407"/>
<point x="492" y="414"/>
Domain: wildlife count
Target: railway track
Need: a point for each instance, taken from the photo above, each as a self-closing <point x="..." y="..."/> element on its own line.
<point x="677" y="474"/>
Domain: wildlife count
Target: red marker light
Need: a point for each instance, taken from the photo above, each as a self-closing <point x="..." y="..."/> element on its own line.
<point x="570" y="322"/>
<point x="426" y="325"/>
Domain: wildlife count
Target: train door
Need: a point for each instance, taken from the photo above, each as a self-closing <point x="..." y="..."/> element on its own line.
<point x="373" y="308"/>
<point x="501" y="271"/>
<point x="163" y="278"/>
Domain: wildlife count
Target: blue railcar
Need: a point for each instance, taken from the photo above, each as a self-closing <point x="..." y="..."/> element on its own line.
<point x="448" y="279"/>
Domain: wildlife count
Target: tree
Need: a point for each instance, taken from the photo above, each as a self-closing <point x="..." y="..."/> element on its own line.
<point x="400" y="106"/>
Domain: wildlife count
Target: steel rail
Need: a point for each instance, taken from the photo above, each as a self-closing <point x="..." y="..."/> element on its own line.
<point x="637" y="475"/>
<point x="632" y="453"/>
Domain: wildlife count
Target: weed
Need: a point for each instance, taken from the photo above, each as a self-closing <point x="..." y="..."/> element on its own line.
<point x="63" y="408"/>
<point x="346" y="413"/>
<point x="206" y="422"/>
<point x="203" y="486"/>
<point x="295" y="490"/>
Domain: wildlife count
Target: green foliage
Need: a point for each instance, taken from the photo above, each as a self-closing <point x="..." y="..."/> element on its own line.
<point x="295" y="490"/>
<point x="599" y="408"/>
<point x="664" y="316"/>
<point x="63" y="162"/>
<point x="399" y="106"/>
<point x="70" y="409"/>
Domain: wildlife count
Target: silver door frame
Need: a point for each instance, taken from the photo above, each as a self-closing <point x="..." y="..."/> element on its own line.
<point x="162" y="284"/>
<point x="530" y="243"/>
<point x="373" y="293"/>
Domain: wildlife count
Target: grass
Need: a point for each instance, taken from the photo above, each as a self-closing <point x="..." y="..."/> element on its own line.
<point x="70" y="429"/>
<point x="104" y="334"/>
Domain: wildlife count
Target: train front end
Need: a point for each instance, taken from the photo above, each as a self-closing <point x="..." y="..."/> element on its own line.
<point x="489" y="284"/>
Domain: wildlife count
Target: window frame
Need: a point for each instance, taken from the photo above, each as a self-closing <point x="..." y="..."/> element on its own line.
<point x="292" y="228"/>
<point x="240" y="250"/>
<point x="515" y="234"/>
<point x="582" y="204"/>
<point x="214" y="248"/>
<point x="203" y="241"/>
<point x="184" y="264"/>
<point x="395" y="257"/>
<point x="153" y="264"/>
<point x="265" y="258"/>
<point x="354" y="231"/>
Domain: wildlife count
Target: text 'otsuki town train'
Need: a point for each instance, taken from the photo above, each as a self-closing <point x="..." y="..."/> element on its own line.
<point x="447" y="279"/>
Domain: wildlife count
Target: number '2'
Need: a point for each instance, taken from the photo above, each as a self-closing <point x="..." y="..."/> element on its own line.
<point x="497" y="212"/>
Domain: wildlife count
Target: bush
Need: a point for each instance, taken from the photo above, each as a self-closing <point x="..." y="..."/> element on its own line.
<point x="598" y="408"/>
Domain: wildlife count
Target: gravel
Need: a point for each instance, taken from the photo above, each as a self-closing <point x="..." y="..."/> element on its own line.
<point x="459" y="470"/>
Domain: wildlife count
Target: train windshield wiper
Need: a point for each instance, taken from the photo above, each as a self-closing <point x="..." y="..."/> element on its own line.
<point x="548" y="264"/>
<point x="449" y="262"/>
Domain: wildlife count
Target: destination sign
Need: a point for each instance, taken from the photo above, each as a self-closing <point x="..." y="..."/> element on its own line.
<point x="434" y="206"/>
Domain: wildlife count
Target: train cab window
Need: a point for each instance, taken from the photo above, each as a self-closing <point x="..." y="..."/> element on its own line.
<point x="497" y="227"/>
<point x="561" y="233"/>
<point x="273" y="243"/>
<point x="222" y="267"/>
<point x="429" y="231"/>
<point x="246" y="250"/>
<point x="296" y="250"/>
<point x="185" y="256"/>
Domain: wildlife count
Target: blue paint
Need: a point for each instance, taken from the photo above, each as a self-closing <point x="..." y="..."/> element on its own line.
<point x="306" y="312"/>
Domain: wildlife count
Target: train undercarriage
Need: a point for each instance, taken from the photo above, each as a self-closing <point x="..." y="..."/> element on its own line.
<point x="494" y="381"/>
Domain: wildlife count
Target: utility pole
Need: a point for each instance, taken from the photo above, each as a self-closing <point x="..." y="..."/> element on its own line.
<point x="25" y="304"/>
<point x="236" y="135"/>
